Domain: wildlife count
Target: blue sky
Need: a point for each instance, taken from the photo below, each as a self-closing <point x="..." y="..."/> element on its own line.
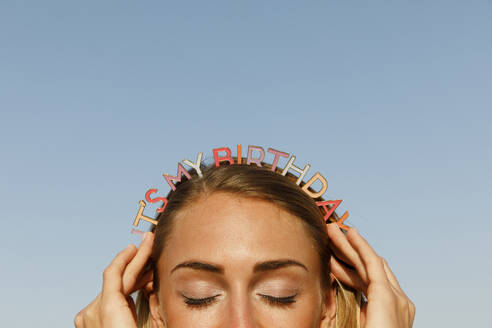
<point x="390" y="101"/>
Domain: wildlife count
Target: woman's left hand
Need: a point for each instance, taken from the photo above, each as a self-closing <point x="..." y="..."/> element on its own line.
<point x="114" y="306"/>
<point x="387" y="305"/>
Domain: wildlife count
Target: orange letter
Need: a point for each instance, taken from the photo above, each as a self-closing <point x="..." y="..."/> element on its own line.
<point x="239" y="154"/>
<point x="140" y="215"/>
<point x="308" y="184"/>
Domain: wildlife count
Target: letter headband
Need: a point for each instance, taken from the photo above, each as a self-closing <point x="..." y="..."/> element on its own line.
<point x="224" y="155"/>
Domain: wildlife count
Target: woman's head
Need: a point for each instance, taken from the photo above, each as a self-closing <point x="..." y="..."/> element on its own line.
<point x="241" y="246"/>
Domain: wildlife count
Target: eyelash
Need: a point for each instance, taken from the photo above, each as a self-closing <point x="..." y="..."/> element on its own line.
<point x="206" y="301"/>
<point x="279" y="301"/>
<point x="200" y="302"/>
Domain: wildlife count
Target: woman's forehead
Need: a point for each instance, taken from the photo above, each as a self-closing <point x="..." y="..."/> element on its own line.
<point x="228" y="227"/>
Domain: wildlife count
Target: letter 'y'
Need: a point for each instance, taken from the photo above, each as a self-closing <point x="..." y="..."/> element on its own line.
<point x="195" y="165"/>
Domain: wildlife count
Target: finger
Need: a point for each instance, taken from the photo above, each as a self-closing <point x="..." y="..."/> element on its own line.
<point x="391" y="277"/>
<point x="346" y="276"/>
<point x="344" y="249"/>
<point x="146" y="278"/>
<point x="340" y="257"/>
<point x="135" y="267"/>
<point x="334" y="236"/>
<point x="340" y="246"/>
<point x="372" y="262"/>
<point x="112" y="275"/>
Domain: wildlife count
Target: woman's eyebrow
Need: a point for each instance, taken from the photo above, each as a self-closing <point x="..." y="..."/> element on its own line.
<point x="259" y="267"/>
<point x="200" y="266"/>
<point x="277" y="264"/>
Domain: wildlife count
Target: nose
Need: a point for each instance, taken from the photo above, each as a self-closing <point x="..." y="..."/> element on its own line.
<point x="240" y="312"/>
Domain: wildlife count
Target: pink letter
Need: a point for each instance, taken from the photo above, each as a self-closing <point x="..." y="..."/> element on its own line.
<point x="330" y="210"/>
<point x="258" y="160"/>
<point x="181" y="170"/>
<point x="278" y="154"/>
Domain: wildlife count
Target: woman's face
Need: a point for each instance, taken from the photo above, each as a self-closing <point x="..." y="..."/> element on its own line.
<point x="239" y="262"/>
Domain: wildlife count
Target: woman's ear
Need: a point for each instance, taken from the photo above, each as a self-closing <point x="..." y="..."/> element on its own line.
<point x="155" y="311"/>
<point x="328" y="316"/>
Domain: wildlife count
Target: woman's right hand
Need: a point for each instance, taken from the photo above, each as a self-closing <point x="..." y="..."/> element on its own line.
<point x="114" y="307"/>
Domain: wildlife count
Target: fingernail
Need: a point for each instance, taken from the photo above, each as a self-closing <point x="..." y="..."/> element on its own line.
<point x="333" y="224"/>
<point x="147" y="235"/>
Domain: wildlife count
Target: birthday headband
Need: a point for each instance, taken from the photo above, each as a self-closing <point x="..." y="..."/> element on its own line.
<point x="224" y="155"/>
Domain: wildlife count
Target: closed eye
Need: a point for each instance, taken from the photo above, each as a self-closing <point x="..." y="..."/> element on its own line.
<point x="199" y="302"/>
<point x="279" y="301"/>
<point x="206" y="301"/>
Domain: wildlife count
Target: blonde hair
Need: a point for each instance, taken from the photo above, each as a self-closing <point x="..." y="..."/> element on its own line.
<point x="256" y="182"/>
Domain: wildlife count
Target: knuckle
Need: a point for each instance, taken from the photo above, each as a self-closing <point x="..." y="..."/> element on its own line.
<point x="406" y="305"/>
<point x="107" y="272"/>
<point x="107" y="309"/>
<point x="81" y="319"/>
<point x="412" y="307"/>
<point x="78" y="321"/>
<point x="90" y="312"/>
